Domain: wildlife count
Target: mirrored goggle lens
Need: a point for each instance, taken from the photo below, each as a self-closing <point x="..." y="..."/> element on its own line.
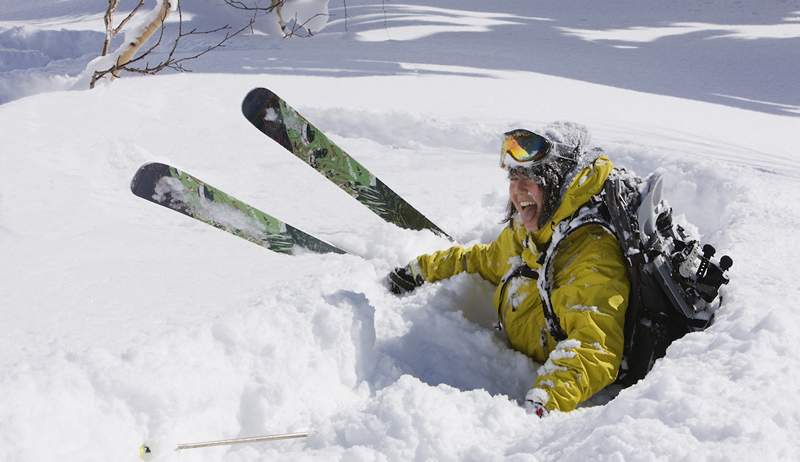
<point x="525" y="146"/>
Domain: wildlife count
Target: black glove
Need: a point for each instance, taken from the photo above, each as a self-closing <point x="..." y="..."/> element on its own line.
<point x="403" y="279"/>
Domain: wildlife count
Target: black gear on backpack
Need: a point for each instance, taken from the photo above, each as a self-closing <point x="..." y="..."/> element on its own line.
<point x="674" y="282"/>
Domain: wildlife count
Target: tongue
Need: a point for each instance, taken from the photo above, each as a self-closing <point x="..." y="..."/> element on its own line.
<point x="529" y="213"/>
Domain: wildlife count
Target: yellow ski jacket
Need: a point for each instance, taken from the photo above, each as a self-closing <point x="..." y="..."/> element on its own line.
<point x="589" y="295"/>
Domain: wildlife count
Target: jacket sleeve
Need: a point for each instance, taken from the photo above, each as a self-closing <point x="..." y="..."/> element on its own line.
<point x="589" y="296"/>
<point x="490" y="261"/>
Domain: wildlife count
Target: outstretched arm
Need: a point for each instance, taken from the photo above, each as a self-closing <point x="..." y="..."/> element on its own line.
<point x="590" y="297"/>
<point x="490" y="261"/>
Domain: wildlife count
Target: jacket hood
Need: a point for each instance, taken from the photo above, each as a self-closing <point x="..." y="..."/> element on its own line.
<point x="584" y="183"/>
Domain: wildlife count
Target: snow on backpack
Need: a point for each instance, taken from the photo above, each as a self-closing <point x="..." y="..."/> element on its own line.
<point x="674" y="281"/>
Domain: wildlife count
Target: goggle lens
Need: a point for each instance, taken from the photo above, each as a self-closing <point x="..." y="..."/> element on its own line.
<point x="524" y="146"/>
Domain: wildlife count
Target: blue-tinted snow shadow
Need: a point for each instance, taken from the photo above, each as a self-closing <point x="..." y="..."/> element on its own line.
<point x="36" y="61"/>
<point x="450" y="340"/>
<point x="707" y="65"/>
<point x="475" y="38"/>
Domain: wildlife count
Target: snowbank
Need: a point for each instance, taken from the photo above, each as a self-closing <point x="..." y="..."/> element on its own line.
<point x="126" y="323"/>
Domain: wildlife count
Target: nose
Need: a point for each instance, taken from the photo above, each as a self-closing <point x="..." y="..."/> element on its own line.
<point x="512" y="186"/>
<point x="515" y="186"/>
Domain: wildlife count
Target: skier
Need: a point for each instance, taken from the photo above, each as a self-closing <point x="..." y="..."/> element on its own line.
<point x="550" y="177"/>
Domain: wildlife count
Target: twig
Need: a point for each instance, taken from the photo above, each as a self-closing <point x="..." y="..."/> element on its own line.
<point x="112" y="31"/>
<point x="176" y="64"/>
<point x="127" y="18"/>
<point x="239" y="5"/>
<point x="297" y="27"/>
<point x="170" y="62"/>
<point x="345" y="15"/>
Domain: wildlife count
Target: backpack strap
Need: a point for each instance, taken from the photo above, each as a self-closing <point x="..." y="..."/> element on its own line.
<point x="621" y="199"/>
<point x="521" y="270"/>
<point x="589" y="214"/>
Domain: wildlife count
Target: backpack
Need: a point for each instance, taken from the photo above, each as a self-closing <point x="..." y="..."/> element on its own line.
<point x="674" y="281"/>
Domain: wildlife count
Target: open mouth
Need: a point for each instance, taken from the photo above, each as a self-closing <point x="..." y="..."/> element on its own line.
<point x="527" y="210"/>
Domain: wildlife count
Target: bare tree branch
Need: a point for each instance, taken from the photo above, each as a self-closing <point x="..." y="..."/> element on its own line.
<point x="112" y="31"/>
<point x="302" y="27"/>
<point x="158" y="20"/>
<point x="239" y="5"/>
<point x="107" y="19"/>
<point x="345" y="15"/>
<point x="170" y="62"/>
<point x="385" y="19"/>
<point x="177" y="63"/>
<point x="275" y="5"/>
<point x="128" y="60"/>
<point x="127" y="18"/>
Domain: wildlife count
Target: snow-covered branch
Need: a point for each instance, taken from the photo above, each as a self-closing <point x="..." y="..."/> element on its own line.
<point x="144" y="33"/>
<point x="125" y="57"/>
<point x="304" y="16"/>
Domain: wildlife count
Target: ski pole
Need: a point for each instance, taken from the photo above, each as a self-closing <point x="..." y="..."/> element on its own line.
<point x="250" y="439"/>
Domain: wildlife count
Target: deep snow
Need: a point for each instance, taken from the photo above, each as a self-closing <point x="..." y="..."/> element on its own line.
<point x="127" y="323"/>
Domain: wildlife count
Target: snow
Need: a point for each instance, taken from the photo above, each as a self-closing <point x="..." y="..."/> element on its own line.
<point x="593" y="309"/>
<point x="216" y="212"/>
<point x="127" y="323"/>
<point x="650" y="34"/>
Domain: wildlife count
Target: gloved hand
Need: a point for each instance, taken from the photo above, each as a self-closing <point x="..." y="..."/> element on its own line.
<point x="404" y="279"/>
<point x="534" y="402"/>
<point x="534" y="407"/>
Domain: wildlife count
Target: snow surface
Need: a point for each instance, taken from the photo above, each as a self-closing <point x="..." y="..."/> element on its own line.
<point x="126" y="323"/>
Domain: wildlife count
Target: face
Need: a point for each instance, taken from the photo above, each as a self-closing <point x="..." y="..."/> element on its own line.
<point x="528" y="198"/>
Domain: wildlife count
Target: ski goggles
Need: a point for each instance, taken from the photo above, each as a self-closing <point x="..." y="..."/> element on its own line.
<point x="523" y="148"/>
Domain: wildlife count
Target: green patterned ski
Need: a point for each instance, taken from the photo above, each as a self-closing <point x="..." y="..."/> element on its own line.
<point x="179" y="191"/>
<point x="276" y="119"/>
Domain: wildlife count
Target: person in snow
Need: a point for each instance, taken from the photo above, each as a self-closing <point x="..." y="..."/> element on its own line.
<point x="551" y="177"/>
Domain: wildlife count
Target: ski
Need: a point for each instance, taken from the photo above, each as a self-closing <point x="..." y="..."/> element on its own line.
<point x="276" y="119"/>
<point x="177" y="190"/>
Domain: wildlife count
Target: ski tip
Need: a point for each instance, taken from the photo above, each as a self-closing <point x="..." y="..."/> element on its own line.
<point x="144" y="180"/>
<point x="256" y="103"/>
<point x="255" y="92"/>
<point x="444" y="235"/>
